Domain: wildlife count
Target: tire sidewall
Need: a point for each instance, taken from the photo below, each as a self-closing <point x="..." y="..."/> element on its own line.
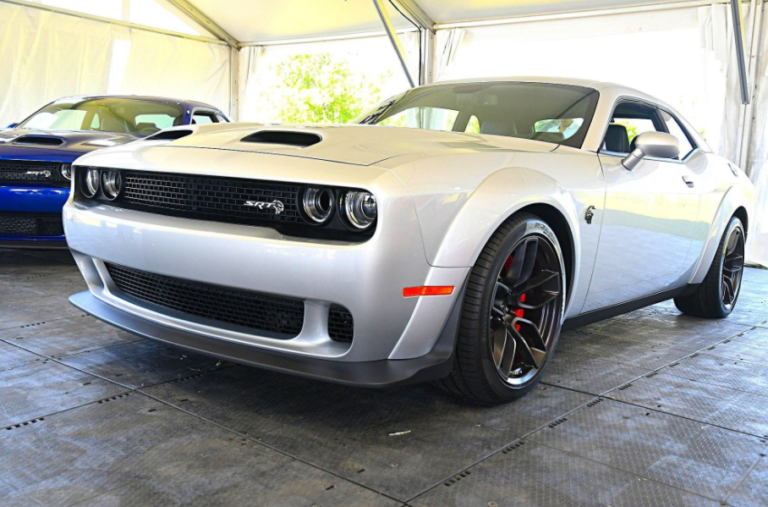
<point x="735" y="223"/>
<point x="529" y="227"/>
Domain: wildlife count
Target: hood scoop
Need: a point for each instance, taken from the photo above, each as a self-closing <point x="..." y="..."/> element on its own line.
<point x="169" y="135"/>
<point x="39" y="140"/>
<point x="283" y="137"/>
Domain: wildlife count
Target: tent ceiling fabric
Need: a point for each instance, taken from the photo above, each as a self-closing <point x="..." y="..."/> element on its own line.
<point x="274" y="20"/>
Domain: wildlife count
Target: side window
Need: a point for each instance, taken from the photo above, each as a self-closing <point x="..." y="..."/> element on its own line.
<point x="630" y="119"/>
<point x="221" y="118"/>
<point x="203" y="118"/>
<point x="676" y="130"/>
<point x="473" y="125"/>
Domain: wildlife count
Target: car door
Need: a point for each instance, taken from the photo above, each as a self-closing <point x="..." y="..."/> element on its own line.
<point x="650" y="215"/>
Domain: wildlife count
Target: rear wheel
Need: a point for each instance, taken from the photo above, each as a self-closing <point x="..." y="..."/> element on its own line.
<point x="716" y="297"/>
<point x="511" y="314"/>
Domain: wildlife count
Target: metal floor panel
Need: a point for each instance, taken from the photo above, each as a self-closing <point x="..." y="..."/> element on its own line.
<point x="686" y="454"/>
<point x="42" y="388"/>
<point x="720" y="406"/>
<point x="140" y="363"/>
<point x="398" y="441"/>
<point x="133" y="450"/>
<point x="65" y="337"/>
<point x="128" y="421"/>
<point x="529" y="475"/>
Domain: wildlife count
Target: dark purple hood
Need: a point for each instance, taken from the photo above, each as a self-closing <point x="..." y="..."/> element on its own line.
<point x="56" y="145"/>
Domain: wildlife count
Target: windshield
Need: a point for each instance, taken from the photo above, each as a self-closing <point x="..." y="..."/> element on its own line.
<point x="106" y="115"/>
<point x="544" y="112"/>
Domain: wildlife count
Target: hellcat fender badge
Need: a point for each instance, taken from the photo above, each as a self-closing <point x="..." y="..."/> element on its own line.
<point x="276" y="205"/>
<point x="590" y="214"/>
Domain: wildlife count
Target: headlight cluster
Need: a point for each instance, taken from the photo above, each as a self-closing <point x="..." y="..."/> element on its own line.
<point x="106" y="181"/>
<point x="66" y="171"/>
<point x="357" y="208"/>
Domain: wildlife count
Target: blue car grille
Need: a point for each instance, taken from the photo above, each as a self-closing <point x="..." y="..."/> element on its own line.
<point x="31" y="171"/>
<point x="279" y="316"/>
<point x="31" y="224"/>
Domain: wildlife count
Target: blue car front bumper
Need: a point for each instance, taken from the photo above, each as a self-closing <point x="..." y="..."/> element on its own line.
<point x="35" y="207"/>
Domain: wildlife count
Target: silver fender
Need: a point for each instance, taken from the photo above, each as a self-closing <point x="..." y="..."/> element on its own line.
<point x="499" y="196"/>
<point x="738" y="196"/>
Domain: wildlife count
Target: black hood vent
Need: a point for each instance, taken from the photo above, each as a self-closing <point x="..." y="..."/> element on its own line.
<point x="169" y="135"/>
<point x="39" y="140"/>
<point x="300" y="139"/>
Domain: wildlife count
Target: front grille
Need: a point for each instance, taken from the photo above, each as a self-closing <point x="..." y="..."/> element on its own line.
<point x="341" y="327"/>
<point x="30" y="171"/>
<point x="279" y="316"/>
<point x="31" y="224"/>
<point x="211" y="198"/>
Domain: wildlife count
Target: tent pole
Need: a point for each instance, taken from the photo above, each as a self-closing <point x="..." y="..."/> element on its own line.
<point x="394" y="39"/>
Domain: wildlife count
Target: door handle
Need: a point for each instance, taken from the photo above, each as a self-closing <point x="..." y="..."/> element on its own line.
<point x="688" y="181"/>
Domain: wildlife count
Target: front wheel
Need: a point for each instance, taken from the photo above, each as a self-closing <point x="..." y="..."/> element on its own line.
<point x="716" y="297"/>
<point x="511" y="314"/>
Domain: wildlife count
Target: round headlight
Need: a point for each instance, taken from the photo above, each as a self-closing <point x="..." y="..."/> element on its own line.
<point x="360" y="209"/>
<point x="111" y="184"/>
<point x="91" y="183"/>
<point x="66" y="171"/>
<point x="318" y="204"/>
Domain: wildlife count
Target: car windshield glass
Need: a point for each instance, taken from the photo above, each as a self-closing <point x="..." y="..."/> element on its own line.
<point x="544" y="112"/>
<point x="106" y="115"/>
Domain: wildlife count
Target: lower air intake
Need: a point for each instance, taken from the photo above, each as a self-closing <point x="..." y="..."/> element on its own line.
<point x="279" y="317"/>
<point x="31" y="224"/>
<point x="341" y="327"/>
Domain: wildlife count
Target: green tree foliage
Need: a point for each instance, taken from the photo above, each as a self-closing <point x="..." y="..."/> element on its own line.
<point x="316" y="88"/>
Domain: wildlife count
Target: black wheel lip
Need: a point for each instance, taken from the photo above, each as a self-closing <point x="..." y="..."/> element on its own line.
<point x="559" y="303"/>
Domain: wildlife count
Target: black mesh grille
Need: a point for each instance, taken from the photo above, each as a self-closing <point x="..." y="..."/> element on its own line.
<point x="281" y="316"/>
<point x="210" y="198"/>
<point x="32" y="172"/>
<point x="31" y="224"/>
<point x="340" y="324"/>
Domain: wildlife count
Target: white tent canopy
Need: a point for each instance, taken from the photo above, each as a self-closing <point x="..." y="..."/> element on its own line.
<point x="225" y="52"/>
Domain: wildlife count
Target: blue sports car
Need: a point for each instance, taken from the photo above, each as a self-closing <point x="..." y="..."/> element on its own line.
<point x="36" y="155"/>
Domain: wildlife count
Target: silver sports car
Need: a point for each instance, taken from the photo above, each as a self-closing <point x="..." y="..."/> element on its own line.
<point x="449" y="234"/>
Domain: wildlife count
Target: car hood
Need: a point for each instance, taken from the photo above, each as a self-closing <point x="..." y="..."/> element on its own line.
<point x="349" y="144"/>
<point x="58" y="145"/>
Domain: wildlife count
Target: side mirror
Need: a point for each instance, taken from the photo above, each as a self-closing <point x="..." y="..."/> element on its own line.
<point x="654" y="145"/>
<point x="12" y="126"/>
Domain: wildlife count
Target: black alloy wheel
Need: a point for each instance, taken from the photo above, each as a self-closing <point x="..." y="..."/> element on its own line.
<point x="512" y="311"/>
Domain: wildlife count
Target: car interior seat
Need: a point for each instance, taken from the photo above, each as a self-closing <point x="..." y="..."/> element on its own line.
<point x="617" y="139"/>
<point x="498" y="128"/>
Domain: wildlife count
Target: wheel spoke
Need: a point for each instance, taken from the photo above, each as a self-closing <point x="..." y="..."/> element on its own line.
<point x="531" y="333"/>
<point x="523" y="259"/>
<point x="500" y="340"/>
<point x="507" y="359"/>
<point x="527" y="355"/>
<point x="728" y="292"/>
<point x="539" y="290"/>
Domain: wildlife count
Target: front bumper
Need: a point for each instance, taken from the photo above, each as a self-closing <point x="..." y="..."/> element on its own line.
<point x="395" y="338"/>
<point x="383" y="373"/>
<point x="32" y="199"/>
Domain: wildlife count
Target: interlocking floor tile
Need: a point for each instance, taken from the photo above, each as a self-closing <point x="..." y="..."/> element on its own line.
<point x="140" y="363"/>
<point x="754" y="489"/>
<point x="157" y="453"/>
<point x="21" y="307"/>
<point x="42" y="388"/>
<point x="731" y="373"/>
<point x="398" y="441"/>
<point x="12" y="357"/>
<point x="688" y="455"/>
<point x="589" y="374"/>
<point x="67" y="336"/>
<point x="536" y="475"/>
<point x="717" y="405"/>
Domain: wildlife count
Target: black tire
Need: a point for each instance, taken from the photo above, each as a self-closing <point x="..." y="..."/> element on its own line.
<point x="717" y="295"/>
<point x="479" y="361"/>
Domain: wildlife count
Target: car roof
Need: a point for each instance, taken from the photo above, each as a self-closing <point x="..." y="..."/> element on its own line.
<point x="146" y="98"/>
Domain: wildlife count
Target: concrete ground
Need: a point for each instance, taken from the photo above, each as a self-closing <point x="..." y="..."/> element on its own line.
<point x="650" y="408"/>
